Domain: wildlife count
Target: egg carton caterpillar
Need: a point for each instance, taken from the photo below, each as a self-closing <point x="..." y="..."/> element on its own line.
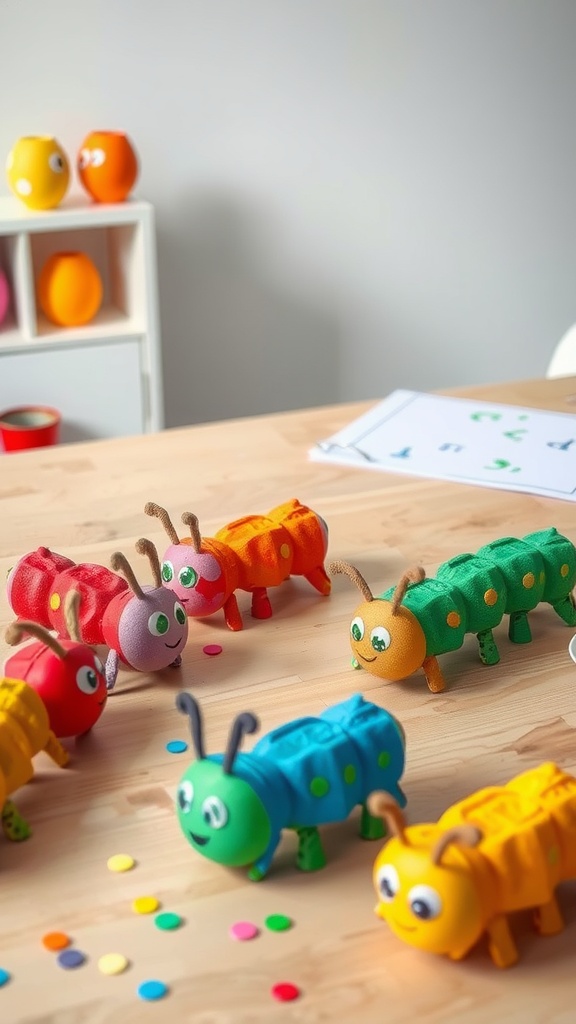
<point x="24" y="732"/>
<point x="503" y="849"/>
<point x="232" y="807"/>
<point x="410" y="625"/>
<point x="144" y="627"/>
<point x="252" y="554"/>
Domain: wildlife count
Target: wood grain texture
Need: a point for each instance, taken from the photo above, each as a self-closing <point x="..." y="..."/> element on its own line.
<point x="117" y="795"/>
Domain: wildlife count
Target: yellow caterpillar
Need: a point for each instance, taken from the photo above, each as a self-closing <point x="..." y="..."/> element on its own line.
<point x="24" y="732"/>
<point x="505" y="848"/>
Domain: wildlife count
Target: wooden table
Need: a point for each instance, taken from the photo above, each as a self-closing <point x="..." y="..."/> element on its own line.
<point x="117" y="795"/>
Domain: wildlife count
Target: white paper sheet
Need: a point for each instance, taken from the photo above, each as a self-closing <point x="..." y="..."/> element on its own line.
<point x="461" y="440"/>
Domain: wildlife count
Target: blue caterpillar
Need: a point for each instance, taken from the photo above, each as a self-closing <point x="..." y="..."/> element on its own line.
<point x="232" y="807"/>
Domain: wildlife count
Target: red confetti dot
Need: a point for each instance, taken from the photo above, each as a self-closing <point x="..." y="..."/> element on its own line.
<point x="212" y="649"/>
<point x="284" y="991"/>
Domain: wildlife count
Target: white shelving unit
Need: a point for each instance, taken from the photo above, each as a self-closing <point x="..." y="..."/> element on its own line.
<point x="106" y="377"/>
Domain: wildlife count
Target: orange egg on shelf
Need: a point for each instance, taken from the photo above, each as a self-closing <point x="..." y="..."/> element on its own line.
<point x="107" y="166"/>
<point x="69" y="289"/>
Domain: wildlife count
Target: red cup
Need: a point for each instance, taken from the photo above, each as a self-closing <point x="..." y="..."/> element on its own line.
<point x="29" y="426"/>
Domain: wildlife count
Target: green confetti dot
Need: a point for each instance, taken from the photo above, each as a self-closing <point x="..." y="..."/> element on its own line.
<point x="167" y="922"/>
<point x="383" y="759"/>
<point x="319" y="786"/>
<point x="278" y="922"/>
<point x="349" y="774"/>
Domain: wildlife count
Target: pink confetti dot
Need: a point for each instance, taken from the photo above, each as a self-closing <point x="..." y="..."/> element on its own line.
<point x="242" y="931"/>
<point x="212" y="649"/>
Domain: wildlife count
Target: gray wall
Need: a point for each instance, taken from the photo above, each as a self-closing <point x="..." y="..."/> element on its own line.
<point x="351" y="195"/>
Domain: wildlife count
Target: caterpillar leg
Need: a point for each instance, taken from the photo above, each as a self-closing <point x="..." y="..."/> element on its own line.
<point x="519" y="630"/>
<point x="489" y="653"/>
<point x="56" y="751"/>
<point x="319" y="579"/>
<point x="232" y="614"/>
<point x="501" y="945"/>
<point x="433" y="673"/>
<point x="371" y="827"/>
<point x="13" y="825"/>
<point x="548" y="919"/>
<point x="310" y="856"/>
<point x="261" y="607"/>
<point x="566" y="610"/>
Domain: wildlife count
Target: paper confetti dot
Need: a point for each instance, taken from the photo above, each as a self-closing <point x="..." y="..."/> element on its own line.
<point x="278" y="922"/>
<point x="151" y="990"/>
<point x="121" y="862"/>
<point x="243" y="931"/>
<point x="176" y="746"/>
<point x="71" y="958"/>
<point x="4" y="977"/>
<point x="167" y="922"/>
<point x="145" y="904"/>
<point x="284" y="991"/>
<point x="212" y="649"/>
<point x="112" y="963"/>
<point x="56" y="940"/>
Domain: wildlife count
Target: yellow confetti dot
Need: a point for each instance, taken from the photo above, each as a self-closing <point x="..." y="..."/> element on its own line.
<point x="55" y="602"/>
<point x="112" y="963"/>
<point x="121" y="862"/>
<point x="145" y="905"/>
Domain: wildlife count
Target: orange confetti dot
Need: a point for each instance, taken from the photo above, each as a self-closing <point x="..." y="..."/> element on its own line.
<point x="56" y="940"/>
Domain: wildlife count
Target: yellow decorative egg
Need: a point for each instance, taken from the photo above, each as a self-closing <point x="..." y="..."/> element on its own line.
<point x="38" y="171"/>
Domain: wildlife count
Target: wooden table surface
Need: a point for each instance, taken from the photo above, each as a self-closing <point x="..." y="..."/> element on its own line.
<point x="86" y="501"/>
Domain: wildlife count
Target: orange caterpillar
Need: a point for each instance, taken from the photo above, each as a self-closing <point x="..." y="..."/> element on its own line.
<point x="252" y="554"/>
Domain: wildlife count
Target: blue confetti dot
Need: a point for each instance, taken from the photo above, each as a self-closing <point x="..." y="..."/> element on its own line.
<point x="4" y="977"/>
<point x="176" y="747"/>
<point x="70" y="958"/>
<point x="151" y="990"/>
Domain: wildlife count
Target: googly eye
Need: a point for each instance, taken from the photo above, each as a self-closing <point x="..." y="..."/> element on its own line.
<point x="188" y="576"/>
<point x="97" y="157"/>
<point x="84" y="159"/>
<point x="167" y="572"/>
<point x="425" y="902"/>
<point x="185" y="796"/>
<point x="388" y="882"/>
<point x="158" y="624"/>
<point x="214" y="812"/>
<point x="380" y="638"/>
<point x="86" y="679"/>
<point x="56" y="163"/>
<point x="357" y="628"/>
<point x="179" y="613"/>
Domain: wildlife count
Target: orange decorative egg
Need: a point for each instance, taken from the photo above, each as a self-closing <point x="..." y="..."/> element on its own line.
<point x="107" y="166"/>
<point x="69" y="289"/>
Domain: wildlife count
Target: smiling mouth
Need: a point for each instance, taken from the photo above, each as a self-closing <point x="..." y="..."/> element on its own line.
<point x="199" y="840"/>
<point x="184" y="600"/>
<point x="404" y="927"/>
<point x="173" y="645"/>
<point x="366" y="659"/>
<point x="101" y="703"/>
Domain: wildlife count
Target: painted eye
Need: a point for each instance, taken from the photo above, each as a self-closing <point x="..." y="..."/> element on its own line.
<point x="380" y="638"/>
<point x="185" y="796"/>
<point x="188" y="576"/>
<point x="388" y="882"/>
<point x="56" y="163"/>
<point x="86" y="679"/>
<point x="84" y="158"/>
<point x="179" y="613"/>
<point x="357" y="628"/>
<point x="97" y="157"/>
<point x="158" y="624"/>
<point x="214" y="812"/>
<point x="425" y="902"/>
<point x="167" y="572"/>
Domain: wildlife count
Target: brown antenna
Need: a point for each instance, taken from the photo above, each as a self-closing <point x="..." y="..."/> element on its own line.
<point x="152" y="509"/>
<point x="355" y="575"/>
<point x="415" y="575"/>
<point x="120" y="563"/>
<point x="146" y="547"/>
<point x="383" y="805"/>
<point x="467" y="835"/>
<point x="72" y="615"/>
<point x="190" y="520"/>
<point x="14" y="635"/>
